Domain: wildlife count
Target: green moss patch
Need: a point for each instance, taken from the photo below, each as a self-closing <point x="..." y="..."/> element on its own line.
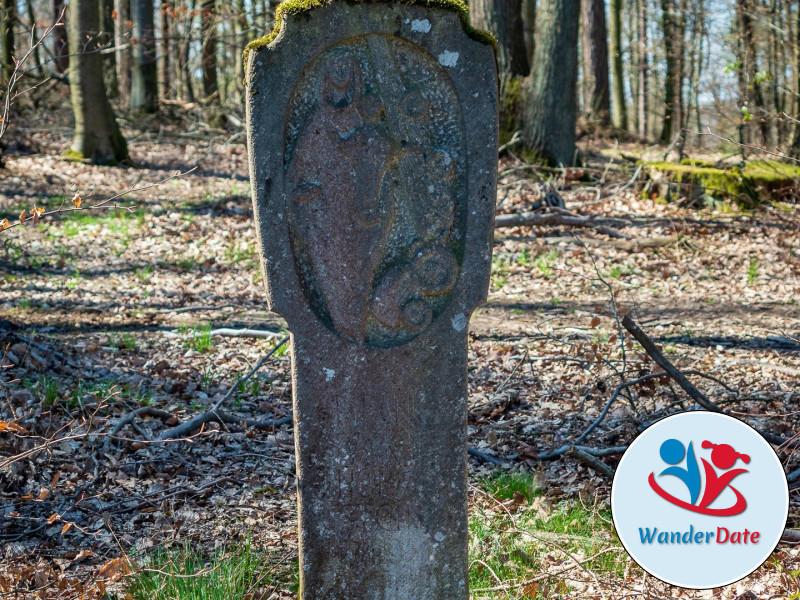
<point x="296" y="7"/>
<point x="702" y="182"/>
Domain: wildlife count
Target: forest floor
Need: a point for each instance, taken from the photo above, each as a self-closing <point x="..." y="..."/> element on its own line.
<point x="109" y="312"/>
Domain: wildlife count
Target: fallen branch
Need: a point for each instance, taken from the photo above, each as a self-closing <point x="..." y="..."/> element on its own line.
<point x="591" y="461"/>
<point x="144" y="411"/>
<point x="671" y="370"/>
<point x="483" y="456"/>
<point x="214" y="415"/>
<point x="224" y="332"/>
<point x="570" y="220"/>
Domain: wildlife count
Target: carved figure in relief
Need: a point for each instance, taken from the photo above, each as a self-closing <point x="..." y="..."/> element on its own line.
<point x="372" y="201"/>
<point x="335" y="210"/>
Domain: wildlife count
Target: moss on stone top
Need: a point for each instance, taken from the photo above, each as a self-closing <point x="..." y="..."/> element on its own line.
<point x="295" y="7"/>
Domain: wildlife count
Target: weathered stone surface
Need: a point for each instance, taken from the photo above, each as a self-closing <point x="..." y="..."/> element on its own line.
<point x="373" y="136"/>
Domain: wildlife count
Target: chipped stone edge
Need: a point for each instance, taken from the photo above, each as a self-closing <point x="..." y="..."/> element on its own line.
<point x="295" y="7"/>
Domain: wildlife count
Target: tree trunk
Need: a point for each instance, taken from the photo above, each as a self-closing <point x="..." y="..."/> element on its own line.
<point x="164" y="66"/>
<point x="209" y="51"/>
<point x="749" y="86"/>
<point x="122" y="41"/>
<point x="60" y="42"/>
<point x="643" y="70"/>
<point x="550" y="103"/>
<point x="619" y="114"/>
<point x="107" y="38"/>
<point x="668" y="27"/>
<point x="529" y="25"/>
<point x="97" y="135"/>
<point x="144" y="90"/>
<point x="794" y="145"/>
<point x="37" y="57"/>
<point x="183" y="55"/>
<point x="595" y="62"/>
<point x="503" y="19"/>
<point x="8" y="18"/>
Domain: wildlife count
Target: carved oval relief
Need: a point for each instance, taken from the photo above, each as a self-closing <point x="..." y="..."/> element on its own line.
<point x="375" y="169"/>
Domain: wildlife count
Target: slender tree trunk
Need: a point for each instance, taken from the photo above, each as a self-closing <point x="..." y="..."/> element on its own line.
<point x="8" y="19"/>
<point x="750" y="88"/>
<point x="164" y="56"/>
<point x="595" y="62"/>
<point x="60" y="42"/>
<point x="183" y="56"/>
<point x="37" y="56"/>
<point x="144" y="89"/>
<point x="97" y="135"/>
<point x="668" y="27"/>
<point x="643" y="70"/>
<point x="209" y="50"/>
<point x="680" y="64"/>
<point x="619" y="114"/>
<point x="794" y="145"/>
<point x="108" y="39"/>
<point x="551" y="101"/>
<point x="122" y="42"/>
<point x="241" y="28"/>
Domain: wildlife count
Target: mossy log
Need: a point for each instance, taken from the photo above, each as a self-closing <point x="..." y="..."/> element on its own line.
<point x="702" y="183"/>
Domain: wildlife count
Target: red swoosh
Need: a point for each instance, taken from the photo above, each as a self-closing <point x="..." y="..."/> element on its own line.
<point x="737" y="508"/>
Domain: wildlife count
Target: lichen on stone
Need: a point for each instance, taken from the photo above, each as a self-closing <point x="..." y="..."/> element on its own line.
<point x="295" y="7"/>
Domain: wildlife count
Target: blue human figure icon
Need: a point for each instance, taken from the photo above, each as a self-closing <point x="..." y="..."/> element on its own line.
<point x="672" y="453"/>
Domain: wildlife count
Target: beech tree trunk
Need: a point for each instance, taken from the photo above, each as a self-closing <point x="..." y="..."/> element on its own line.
<point x="595" y="62"/>
<point x="550" y="103"/>
<point x="749" y="87"/>
<point x="165" y="54"/>
<point x="8" y="18"/>
<point x="668" y="27"/>
<point x="122" y="39"/>
<point x="60" y="43"/>
<point x="642" y="70"/>
<point x="144" y="89"/>
<point x="209" y="51"/>
<point x="619" y="114"/>
<point x="97" y="135"/>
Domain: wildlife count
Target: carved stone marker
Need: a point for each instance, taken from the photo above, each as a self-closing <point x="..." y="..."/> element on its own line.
<point x="373" y="154"/>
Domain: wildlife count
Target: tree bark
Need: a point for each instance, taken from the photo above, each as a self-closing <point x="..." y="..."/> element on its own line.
<point x="550" y="103"/>
<point x="749" y="87"/>
<point x="122" y="39"/>
<point x="794" y="145"/>
<point x="643" y="70"/>
<point x="529" y="25"/>
<point x="107" y="39"/>
<point x="209" y="51"/>
<point x="619" y="113"/>
<point x="187" y="89"/>
<point x="668" y="27"/>
<point x="165" y="55"/>
<point x="595" y="62"/>
<point x="60" y="43"/>
<point x="503" y="19"/>
<point x="37" y="57"/>
<point x="144" y="90"/>
<point x="8" y="19"/>
<point x="97" y="135"/>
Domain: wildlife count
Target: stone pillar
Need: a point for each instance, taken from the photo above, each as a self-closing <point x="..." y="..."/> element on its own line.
<point x="372" y="132"/>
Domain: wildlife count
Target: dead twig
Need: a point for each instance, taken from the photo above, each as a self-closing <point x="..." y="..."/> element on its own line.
<point x="569" y="220"/>
<point x="671" y="370"/>
<point x="214" y="414"/>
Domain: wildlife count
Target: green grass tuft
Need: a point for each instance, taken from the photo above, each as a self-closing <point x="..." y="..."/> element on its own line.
<point x="504" y="486"/>
<point x="184" y="574"/>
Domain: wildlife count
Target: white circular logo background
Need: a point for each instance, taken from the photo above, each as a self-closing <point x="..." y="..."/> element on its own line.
<point x="691" y="492"/>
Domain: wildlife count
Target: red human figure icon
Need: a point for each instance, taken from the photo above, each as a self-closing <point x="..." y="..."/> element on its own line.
<point x="724" y="457"/>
